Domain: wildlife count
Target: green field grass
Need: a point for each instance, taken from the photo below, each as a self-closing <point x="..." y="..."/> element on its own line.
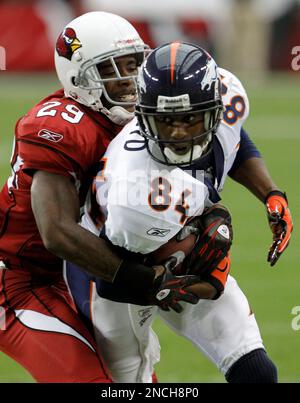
<point x="274" y="124"/>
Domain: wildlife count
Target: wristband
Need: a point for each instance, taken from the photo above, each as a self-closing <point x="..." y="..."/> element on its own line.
<point x="275" y="193"/>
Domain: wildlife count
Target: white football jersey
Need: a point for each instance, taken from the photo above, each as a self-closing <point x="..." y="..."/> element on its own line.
<point x="146" y="203"/>
<point x="142" y="214"/>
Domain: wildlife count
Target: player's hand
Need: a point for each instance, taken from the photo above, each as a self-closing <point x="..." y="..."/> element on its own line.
<point x="169" y="290"/>
<point x="281" y="224"/>
<point x="214" y="242"/>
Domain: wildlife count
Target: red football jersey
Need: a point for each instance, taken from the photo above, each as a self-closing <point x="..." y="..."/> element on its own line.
<point x="60" y="136"/>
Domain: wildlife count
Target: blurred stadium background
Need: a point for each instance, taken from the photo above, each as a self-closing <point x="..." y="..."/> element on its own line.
<point x="257" y="40"/>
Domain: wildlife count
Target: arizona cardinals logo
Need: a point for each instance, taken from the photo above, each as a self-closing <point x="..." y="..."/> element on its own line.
<point x="67" y="43"/>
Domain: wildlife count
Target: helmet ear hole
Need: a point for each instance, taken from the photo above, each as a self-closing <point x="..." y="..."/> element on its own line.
<point x="73" y="81"/>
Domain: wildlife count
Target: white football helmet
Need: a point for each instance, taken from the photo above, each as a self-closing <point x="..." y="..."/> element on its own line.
<point x="85" y="42"/>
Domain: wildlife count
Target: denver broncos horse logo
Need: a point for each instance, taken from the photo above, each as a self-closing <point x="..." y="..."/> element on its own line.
<point x="67" y="43"/>
<point x="210" y="75"/>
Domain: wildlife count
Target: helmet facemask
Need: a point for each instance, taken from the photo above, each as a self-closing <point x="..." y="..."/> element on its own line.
<point x="85" y="43"/>
<point x="188" y="150"/>
<point x="90" y="79"/>
<point x="180" y="82"/>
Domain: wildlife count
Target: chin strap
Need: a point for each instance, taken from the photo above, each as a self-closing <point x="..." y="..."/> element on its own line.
<point x="118" y="115"/>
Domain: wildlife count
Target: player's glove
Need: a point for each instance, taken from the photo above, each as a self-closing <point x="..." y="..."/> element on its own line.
<point x="281" y="224"/>
<point x="215" y="239"/>
<point x="168" y="290"/>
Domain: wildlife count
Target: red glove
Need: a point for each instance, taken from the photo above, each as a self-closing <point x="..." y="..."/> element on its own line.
<point x="281" y="224"/>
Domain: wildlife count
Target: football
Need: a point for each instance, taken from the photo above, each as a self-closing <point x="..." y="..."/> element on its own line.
<point x="175" y="249"/>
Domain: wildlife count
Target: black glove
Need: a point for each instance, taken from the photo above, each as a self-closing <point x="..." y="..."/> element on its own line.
<point x="169" y="289"/>
<point x="215" y="239"/>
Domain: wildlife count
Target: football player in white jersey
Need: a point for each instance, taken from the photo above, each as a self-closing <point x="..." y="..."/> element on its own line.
<point x="180" y="126"/>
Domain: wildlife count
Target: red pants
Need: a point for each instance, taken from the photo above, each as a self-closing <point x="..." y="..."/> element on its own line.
<point x="44" y="333"/>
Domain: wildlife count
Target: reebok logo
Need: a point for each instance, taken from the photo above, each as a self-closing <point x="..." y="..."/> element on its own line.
<point x="50" y="136"/>
<point x="142" y="321"/>
<point x="158" y="232"/>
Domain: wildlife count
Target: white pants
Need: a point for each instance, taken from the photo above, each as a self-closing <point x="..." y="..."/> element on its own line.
<point x="224" y="330"/>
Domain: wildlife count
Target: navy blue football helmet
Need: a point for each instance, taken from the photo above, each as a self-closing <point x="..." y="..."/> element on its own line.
<point x="179" y="82"/>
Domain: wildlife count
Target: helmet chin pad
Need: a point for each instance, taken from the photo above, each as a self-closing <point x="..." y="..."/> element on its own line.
<point x="185" y="158"/>
<point x="197" y="150"/>
<point x="118" y="115"/>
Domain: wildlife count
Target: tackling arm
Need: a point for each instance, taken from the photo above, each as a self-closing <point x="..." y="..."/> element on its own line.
<point x="55" y="206"/>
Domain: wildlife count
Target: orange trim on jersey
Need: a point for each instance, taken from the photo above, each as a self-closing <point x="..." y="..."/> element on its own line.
<point x="174" y="48"/>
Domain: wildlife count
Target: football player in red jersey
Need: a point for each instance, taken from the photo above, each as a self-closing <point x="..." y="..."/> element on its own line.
<point x="58" y="143"/>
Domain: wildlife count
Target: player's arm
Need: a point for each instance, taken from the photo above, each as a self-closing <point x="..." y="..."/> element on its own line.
<point x="56" y="209"/>
<point x="250" y="170"/>
<point x="254" y="175"/>
<point x="203" y="290"/>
